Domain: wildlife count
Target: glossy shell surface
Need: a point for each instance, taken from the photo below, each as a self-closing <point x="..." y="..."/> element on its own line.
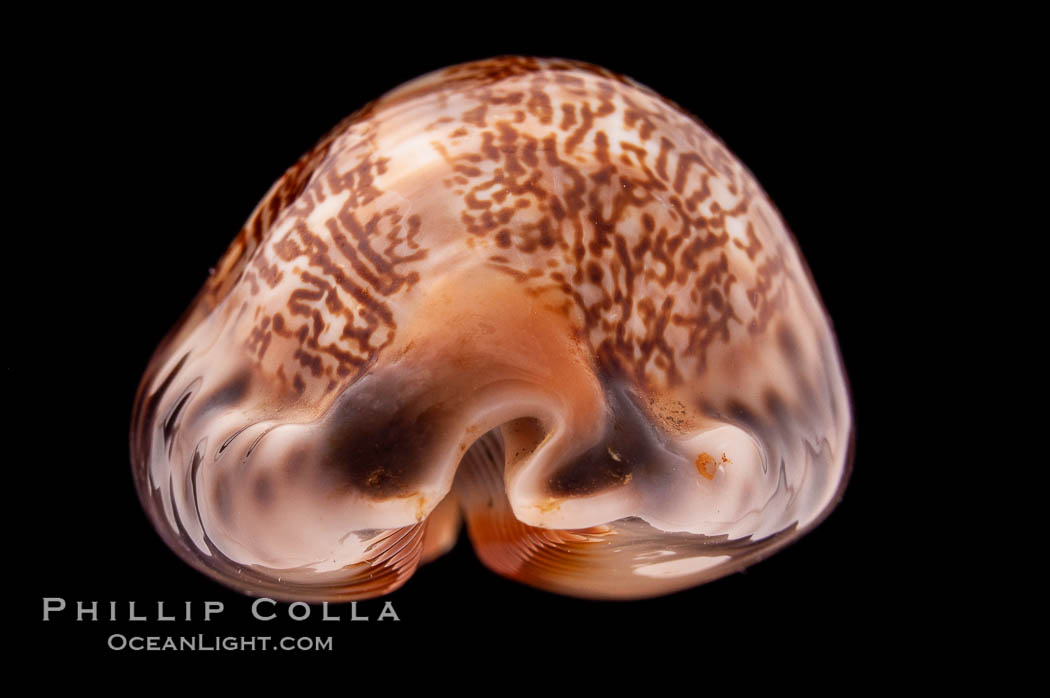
<point x="529" y="295"/>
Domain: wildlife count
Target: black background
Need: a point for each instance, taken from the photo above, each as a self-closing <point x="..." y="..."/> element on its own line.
<point x="156" y="149"/>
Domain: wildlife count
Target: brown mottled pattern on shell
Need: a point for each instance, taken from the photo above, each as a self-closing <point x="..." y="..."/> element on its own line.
<point x="563" y="177"/>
